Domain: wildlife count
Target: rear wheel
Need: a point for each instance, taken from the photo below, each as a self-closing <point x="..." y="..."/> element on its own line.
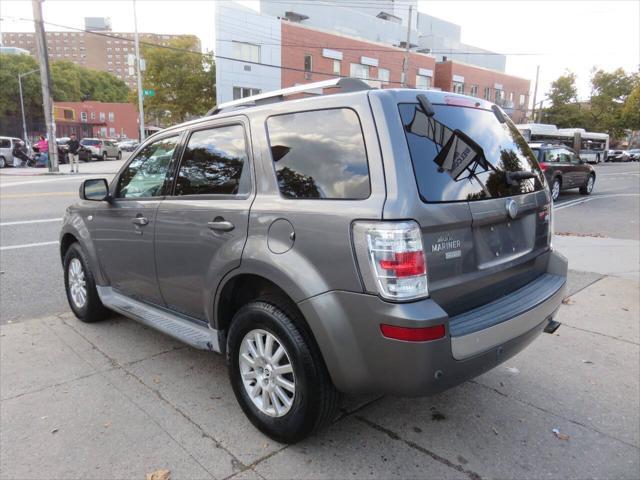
<point x="556" y="186"/>
<point x="277" y="374"/>
<point x="587" y="188"/>
<point x="81" y="287"/>
<point x="104" y="156"/>
<point x="3" y="162"/>
<point x="119" y="155"/>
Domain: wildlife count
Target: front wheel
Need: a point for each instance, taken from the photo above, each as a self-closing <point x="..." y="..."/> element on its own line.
<point x="81" y="287"/>
<point x="587" y="188"/>
<point x="119" y="155"/>
<point x="277" y="374"/>
<point x="555" y="189"/>
<point x="3" y="162"/>
<point x="104" y="156"/>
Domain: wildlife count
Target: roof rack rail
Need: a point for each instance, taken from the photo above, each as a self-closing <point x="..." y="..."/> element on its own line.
<point x="345" y="84"/>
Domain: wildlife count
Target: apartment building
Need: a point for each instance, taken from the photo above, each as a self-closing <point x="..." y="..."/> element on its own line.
<point x="258" y="51"/>
<point x="98" y="48"/>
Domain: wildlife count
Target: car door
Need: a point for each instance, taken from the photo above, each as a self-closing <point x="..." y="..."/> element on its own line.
<point x="202" y="227"/>
<point x="579" y="169"/>
<point x="123" y="231"/>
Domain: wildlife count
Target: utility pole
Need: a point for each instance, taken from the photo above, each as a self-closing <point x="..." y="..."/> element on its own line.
<point x="45" y="82"/>
<point x="405" y="64"/>
<point x="535" y="94"/>
<point x="140" y="101"/>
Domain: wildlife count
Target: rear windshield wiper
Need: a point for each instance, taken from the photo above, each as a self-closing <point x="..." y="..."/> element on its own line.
<point x="514" y="178"/>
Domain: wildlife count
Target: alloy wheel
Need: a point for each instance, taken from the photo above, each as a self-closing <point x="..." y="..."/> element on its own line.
<point x="267" y="373"/>
<point x="555" y="190"/>
<point x="590" y="183"/>
<point x="77" y="283"/>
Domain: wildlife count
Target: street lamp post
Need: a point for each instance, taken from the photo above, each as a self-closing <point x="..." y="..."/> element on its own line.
<point x="24" y="122"/>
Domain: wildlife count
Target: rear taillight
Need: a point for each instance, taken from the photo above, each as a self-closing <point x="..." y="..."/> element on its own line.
<point x="546" y="215"/>
<point x="544" y="166"/>
<point x="391" y="259"/>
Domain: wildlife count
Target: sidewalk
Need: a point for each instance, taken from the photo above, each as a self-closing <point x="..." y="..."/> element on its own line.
<point x="110" y="166"/>
<point x="117" y="400"/>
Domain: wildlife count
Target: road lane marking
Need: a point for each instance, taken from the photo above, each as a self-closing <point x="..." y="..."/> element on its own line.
<point x="37" y="194"/>
<point x="580" y="202"/>
<point x="28" y="245"/>
<point x="27" y="222"/>
<point x="618" y="173"/>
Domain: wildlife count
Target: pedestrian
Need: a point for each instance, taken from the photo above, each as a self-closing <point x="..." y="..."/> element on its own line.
<point x="73" y="147"/>
<point x="43" y="148"/>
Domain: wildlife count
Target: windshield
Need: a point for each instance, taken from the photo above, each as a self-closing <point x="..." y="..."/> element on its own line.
<point x="462" y="154"/>
<point x="91" y="143"/>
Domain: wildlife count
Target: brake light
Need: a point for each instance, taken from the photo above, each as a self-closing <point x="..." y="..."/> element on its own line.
<point x="423" y="334"/>
<point x="544" y="166"/>
<point x="391" y="259"/>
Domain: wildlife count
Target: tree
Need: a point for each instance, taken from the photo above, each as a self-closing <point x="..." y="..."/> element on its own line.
<point x="631" y="109"/>
<point x="182" y="78"/>
<point x="564" y="110"/>
<point x="10" y="67"/>
<point x="609" y="93"/>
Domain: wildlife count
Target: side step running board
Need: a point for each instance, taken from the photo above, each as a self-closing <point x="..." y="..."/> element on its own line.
<point x="192" y="334"/>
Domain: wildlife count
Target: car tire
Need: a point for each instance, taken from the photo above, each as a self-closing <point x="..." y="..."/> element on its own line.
<point x="597" y="159"/>
<point x="3" y="162"/>
<point x="310" y="399"/>
<point x="587" y="188"/>
<point x="80" y="286"/>
<point x="555" y="187"/>
<point x="119" y="157"/>
<point x="104" y="157"/>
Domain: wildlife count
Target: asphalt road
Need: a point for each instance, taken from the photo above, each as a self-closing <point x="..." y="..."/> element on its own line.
<point x="31" y="208"/>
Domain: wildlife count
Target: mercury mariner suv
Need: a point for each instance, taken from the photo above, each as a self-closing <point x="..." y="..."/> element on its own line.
<point x="390" y="241"/>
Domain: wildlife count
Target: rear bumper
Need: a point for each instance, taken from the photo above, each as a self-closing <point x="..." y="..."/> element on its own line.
<point x="360" y="360"/>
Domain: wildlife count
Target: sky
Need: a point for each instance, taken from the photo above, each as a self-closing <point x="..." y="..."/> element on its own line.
<point x="558" y="35"/>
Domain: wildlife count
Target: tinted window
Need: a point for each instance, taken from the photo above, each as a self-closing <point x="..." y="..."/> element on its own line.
<point x="89" y="142"/>
<point x="462" y="153"/>
<point x="319" y="154"/>
<point x="5" y="143"/>
<point x="213" y="163"/>
<point x="144" y="176"/>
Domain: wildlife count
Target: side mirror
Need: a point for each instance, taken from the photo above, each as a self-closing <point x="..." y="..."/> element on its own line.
<point x="95" y="189"/>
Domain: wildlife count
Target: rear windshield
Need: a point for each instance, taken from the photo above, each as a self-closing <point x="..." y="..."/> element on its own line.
<point x="462" y="154"/>
<point x="89" y="142"/>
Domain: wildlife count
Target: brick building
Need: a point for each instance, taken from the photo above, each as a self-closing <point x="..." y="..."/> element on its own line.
<point x="511" y="93"/>
<point x="306" y="59"/>
<point x="96" y="119"/>
<point x="105" y="50"/>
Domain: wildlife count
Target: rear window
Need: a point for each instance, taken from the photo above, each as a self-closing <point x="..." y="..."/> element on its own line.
<point x="319" y="154"/>
<point x="91" y="143"/>
<point x="462" y="154"/>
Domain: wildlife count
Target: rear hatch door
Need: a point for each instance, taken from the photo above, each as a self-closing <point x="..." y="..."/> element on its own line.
<point x="484" y="209"/>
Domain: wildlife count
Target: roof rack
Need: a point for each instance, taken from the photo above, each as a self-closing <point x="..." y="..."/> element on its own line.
<point x="345" y="84"/>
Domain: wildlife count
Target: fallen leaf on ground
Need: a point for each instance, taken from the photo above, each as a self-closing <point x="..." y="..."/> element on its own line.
<point x="494" y="430"/>
<point x="560" y="435"/>
<point x="107" y="424"/>
<point x="159" y="475"/>
<point x="625" y="309"/>
<point x="55" y="430"/>
<point x="568" y="301"/>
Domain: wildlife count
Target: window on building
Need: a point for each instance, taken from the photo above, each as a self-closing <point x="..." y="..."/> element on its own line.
<point x="487" y="93"/>
<point x="111" y="116"/>
<point x="213" y="163"/>
<point x="93" y="115"/>
<point x="308" y="63"/>
<point x="246" y="51"/>
<point x="474" y="90"/>
<point x="102" y="116"/>
<point x="83" y="116"/>
<point x="511" y="99"/>
<point x="330" y="164"/>
<point x="383" y="75"/>
<point x="337" y="65"/>
<point x="112" y="132"/>
<point x="68" y="114"/>
<point x="499" y="96"/>
<point x="522" y="100"/>
<point x="423" y="82"/>
<point x="458" y="87"/>
<point x="242" y="92"/>
<point x="358" y="70"/>
<point x="103" y="132"/>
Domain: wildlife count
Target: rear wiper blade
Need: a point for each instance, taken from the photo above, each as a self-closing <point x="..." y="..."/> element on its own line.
<point x="514" y="178"/>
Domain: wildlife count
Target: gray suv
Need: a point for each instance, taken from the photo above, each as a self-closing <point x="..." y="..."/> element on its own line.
<point x="389" y="241"/>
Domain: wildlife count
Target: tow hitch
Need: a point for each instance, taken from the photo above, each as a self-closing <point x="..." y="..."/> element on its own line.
<point x="552" y="326"/>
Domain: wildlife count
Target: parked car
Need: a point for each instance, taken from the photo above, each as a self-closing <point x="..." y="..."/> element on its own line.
<point x="564" y="169"/>
<point x="6" y="149"/>
<point x="615" y="156"/>
<point x="632" y="155"/>
<point x="98" y="149"/>
<point x="392" y="241"/>
<point x="128" y="145"/>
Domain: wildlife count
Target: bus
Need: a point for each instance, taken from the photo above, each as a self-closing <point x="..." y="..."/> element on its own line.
<point x="591" y="146"/>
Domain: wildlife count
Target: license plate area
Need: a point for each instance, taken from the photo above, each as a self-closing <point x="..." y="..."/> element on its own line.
<point x="504" y="241"/>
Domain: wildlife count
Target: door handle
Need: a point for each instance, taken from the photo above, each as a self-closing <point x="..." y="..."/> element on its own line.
<point x="221" y="225"/>
<point x="141" y="221"/>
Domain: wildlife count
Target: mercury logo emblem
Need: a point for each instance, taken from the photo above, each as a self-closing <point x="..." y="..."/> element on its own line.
<point x="512" y="208"/>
